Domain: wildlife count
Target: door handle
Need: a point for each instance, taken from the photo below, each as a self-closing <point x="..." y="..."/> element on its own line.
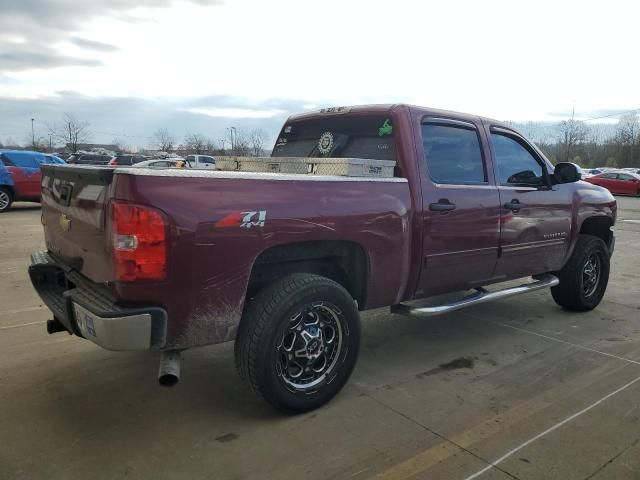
<point x="442" y="205"/>
<point x="514" y="205"/>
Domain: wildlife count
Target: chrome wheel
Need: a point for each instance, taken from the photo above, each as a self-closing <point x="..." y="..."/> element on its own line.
<point x="591" y="274"/>
<point x="310" y="347"/>
<point x="5" y="200"/>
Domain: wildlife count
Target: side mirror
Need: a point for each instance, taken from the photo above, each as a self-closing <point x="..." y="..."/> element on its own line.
<point x="566" y="172"/>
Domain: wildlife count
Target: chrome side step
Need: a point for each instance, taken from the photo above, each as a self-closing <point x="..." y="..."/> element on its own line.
<point x="481" y="296"/>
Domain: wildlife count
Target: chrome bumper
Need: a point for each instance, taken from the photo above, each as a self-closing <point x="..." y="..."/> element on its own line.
<point x="88" y="310"/>
<point x="131" y="332"/>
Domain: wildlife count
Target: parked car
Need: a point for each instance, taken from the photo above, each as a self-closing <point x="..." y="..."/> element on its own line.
<point x="54" y="159"/>
<point x="621" y="182"/>
<point x="159" y="163"/>
<point x="590" y="172"/>
<point x="20" y="176"/>
<point x="127" y="160"/>
<point x="200" y="161"/>
<point x="89" y="159"/>
<point x="282" y="264"/>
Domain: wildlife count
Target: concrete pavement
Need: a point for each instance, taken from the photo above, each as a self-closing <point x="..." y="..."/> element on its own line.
<point x="512" y="389"/>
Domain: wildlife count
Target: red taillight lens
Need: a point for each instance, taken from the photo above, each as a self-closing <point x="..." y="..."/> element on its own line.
<point x="113" y="162"/>
<point x="139" y="242"/>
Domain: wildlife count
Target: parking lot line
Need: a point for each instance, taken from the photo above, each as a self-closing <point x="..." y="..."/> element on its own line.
<point x="23" y="310"/>
<point x="582" y="347"/>
<point x="495" y="463"/>
<point x="22" y="325"/>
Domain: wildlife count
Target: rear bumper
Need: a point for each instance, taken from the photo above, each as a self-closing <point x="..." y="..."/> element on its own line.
<point x="612" y="244"/>
<point x="88" y="310"/>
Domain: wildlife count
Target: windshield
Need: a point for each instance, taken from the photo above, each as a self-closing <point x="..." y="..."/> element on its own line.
<point x="344" y="136"/>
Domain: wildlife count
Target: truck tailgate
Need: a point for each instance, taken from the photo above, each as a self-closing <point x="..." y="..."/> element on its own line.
<point x="74" y="209"/>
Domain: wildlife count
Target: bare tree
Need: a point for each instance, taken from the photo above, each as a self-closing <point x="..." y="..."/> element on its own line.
<point x="71" y="132"/>
<point x="242" y="144"/>
<point x="628" y="137"/>
<point x="121" y="144"/>
<point x="257" y="138"/>
<point x="37" y="143"/>
<point x="572" y="133"/>
<point x="164" y="139"/>
<point x="195" y="143"/>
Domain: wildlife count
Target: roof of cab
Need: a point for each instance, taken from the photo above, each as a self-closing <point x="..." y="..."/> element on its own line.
<point x="387" y="108"/>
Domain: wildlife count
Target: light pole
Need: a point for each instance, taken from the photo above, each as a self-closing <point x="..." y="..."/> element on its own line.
<point x="33" y="135"/>
<point x="50" y="147"/>
<point x="232" y="133"/>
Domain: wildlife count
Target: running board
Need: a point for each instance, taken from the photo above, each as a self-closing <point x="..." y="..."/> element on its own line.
<point x="481" y="296"/>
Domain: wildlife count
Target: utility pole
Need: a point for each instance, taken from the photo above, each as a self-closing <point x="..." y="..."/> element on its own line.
<point x="33" y="135"/>
<point x="232" y="133"/>
<point x="50" y="146"/>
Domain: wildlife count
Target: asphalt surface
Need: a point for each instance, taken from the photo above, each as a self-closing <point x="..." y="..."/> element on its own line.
<point x="512" y="389"/>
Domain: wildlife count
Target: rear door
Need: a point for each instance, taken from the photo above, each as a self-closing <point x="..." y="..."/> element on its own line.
<point x="461" y="207"/>
<point x="24" y="170"/>
<point x="536" y="217"/>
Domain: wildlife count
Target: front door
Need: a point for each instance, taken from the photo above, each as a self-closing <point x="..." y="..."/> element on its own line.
<point x="536" y="216"/>
<point x="461" y="208"/>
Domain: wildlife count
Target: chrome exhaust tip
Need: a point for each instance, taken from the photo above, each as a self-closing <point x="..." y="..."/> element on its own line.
<point x="169" y="371"/>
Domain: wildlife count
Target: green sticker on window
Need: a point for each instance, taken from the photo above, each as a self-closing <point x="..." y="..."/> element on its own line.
<point x="385" y="129"/>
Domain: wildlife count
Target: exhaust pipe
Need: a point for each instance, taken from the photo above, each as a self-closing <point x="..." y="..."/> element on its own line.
<point x="169" y="371"/>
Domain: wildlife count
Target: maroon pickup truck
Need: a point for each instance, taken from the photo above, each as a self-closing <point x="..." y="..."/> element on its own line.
<point x="148" y="259"/>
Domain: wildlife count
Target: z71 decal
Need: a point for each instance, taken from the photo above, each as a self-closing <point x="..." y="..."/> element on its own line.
<point x="256" y="218"/>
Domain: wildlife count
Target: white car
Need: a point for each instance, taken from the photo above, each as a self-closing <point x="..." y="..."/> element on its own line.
<point x="200" y="161"/>
<point x="157" y="163"/>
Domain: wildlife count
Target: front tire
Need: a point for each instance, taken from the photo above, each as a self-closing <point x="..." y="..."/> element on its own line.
<point x="298" y="342"/>
<point x="6" y="199"/>
<point x="584" y="278"/>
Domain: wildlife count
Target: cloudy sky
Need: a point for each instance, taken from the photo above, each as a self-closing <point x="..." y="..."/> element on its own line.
<point x="130" y="67"/>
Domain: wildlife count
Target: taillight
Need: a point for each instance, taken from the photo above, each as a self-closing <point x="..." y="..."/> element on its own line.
<point x="113" y="162"/>
<point x="139" y="242"/>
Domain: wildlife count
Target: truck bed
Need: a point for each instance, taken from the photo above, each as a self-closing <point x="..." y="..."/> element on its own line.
<point x="212" y="251"/>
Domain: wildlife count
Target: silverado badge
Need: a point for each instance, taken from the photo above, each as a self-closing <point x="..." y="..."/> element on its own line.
<point x="65" y="222"/>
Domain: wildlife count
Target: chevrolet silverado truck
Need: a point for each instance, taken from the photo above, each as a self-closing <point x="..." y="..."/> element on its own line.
<point x="282" y="264"/>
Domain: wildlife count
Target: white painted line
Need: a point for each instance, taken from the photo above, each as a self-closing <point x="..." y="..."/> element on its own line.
<point x="22" y="325"/>
<point x="631" y="221"/>
<point x="524" y="330"/>
<point x="550" y="429"/>
<point x="23" y="310"/>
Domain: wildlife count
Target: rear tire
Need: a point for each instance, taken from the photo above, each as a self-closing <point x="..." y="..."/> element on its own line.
<point x="584" y="278"/>
<point x="298" y="342"/>
<point x="6" y="199"/>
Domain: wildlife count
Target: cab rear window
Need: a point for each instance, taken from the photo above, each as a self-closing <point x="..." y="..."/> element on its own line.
<point x="343" y="136"/>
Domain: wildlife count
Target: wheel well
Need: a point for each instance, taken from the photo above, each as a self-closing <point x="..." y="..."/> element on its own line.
<point x="11" y="190"/>
<point x="598" y="226"/>
<point x="341" y="261"/>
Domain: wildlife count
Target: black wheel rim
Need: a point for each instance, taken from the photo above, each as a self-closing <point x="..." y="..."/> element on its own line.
<point x="591" y="272"/>
<point x="310" y="347"/>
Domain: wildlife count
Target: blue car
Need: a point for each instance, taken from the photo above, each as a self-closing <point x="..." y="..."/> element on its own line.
<point x="20" y="176"/>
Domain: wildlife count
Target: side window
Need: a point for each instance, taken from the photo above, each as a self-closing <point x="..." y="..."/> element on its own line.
<point x="625" y="176"/>
<point x="610" y="175"/>
<point x="516" y="165"/>
<point x="453" y="154"/>
<point x="21" y="160"/>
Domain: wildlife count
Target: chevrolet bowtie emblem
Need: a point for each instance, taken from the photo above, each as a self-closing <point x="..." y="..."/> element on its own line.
<point x="65" y="222"/>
